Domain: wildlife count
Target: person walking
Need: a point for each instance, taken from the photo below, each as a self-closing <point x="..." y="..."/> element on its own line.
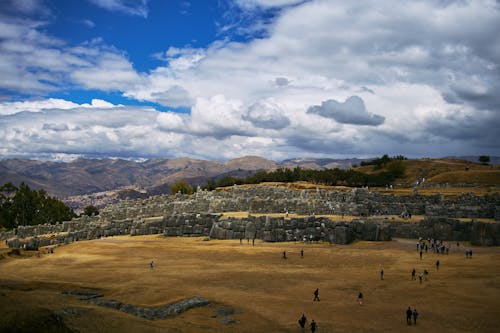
<point x="409" y="313"/>
<point x="382" y="273"/>
<point x="413" y="272"/>
<point x="284" y="255"/>
<point x="151" y="265"/>
<point x="302" y="322"/>
<point x="316" y="295"/>
<point x="415" y="316"/>
<point x="313" y="326"/>
<point x="360" y="298"/>
<point x="437" y="265"/>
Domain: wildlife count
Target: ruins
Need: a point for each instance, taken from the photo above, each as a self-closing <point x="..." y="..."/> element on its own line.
<point x="200" y="214"/>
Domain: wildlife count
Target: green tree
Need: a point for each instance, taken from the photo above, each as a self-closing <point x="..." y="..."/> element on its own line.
<point x="181" y="186"/>
<point x="25" y="206"/>
<point x="90" y="210"/>
<point x="484" y="159"/>
<point x="7" y="192"/>
<point x="396" y="168"/>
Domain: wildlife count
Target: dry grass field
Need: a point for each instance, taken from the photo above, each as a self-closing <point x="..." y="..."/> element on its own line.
<point x="270" y="293"/>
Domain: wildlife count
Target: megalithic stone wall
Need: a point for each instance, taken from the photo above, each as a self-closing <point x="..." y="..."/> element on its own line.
<point x="270" y="229"/>
<point x="196" y="215"/>
<point x="263" y="200"/>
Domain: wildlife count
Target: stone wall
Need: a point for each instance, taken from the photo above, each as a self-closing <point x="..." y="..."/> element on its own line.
<point x="260" y="199"/>
<point x="270" y="229"/>
<point x="197" y="215"/>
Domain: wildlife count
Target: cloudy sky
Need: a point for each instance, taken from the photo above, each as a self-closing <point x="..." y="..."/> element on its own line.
<point x="219" y="79"/>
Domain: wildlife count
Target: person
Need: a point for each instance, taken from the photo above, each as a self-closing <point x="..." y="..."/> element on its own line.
<point x="313" y="326"/>
<point x="420" y="276"/>
<point x="437" y="264"/>
<point x="151" y="265"/>
<point x="415" y="316"/>
<point x="409" y="313"/>
<point x="382" y="273"/>
<point x="426" y="274"/>
<point x="413" y="272"/>
<point x="302" y="253"/>
<point x="302" y="322"/>
<point x="284" y="255"/>
<point x="360" y="298"/>
<point x="420" y="254"/>
<point x="316" y="295"/>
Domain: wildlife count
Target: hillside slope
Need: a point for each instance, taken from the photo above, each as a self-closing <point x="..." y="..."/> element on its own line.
<point x="443" y="171"/>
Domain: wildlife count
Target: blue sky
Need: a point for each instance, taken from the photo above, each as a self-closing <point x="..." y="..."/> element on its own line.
<point x="227" y="78"/>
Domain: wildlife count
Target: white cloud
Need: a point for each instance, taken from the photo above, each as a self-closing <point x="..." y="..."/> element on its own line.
<point x="424" y="72"/>
<point x="266" y="114"/>
<point x="129" y="7"/>
<point x="8" y="108"/>
<point x="246" y="4"/>
<point x="33" y="62"/>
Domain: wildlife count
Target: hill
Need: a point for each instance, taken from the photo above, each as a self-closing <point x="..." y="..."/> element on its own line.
<point x="84" y="176"/>
<point x="102" y="181"/>
<point x="442" y="171"/>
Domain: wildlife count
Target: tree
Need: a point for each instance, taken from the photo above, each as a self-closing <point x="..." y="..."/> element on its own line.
<point x="7" y="192"/>
<point x="24" y="206"/>
<point x="396" y="168"/>
<point x="181" y="186"/>
<point x="485" y="159"/>
<point x="90" y="211"/>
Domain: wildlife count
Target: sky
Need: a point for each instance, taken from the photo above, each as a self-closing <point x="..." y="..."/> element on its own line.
<point x="221" y="79"/>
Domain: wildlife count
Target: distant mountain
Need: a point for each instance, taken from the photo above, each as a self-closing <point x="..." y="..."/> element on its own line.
<point x="323" y="163"/>
<point x="84" y="176"/>
<point x="100" y="181"/>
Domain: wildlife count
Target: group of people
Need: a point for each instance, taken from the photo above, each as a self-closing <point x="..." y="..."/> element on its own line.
<point x="436" y="246"/>
<point x="411" y="314"/>
<point x="421" y="276"/>
<point x="303" y="322"/>
<point x="303" y="319"/>
<point x="284" y="256"/>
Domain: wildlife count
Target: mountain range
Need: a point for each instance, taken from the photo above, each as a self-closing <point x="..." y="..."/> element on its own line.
<point x="84" y="176"/>
<point x="101" y="181"/>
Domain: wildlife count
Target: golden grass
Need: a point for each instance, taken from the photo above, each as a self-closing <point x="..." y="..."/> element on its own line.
<point x="486" y="177"/>
<point x="442" y="170"/>
<point x="463" y="296"/>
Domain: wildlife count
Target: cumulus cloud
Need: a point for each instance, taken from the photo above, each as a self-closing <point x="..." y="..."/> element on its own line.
<point x="33" y="62"/>
<point x="174" y="96"/>
<point x="390" y="76"/>
<point x="266" y="114"/>
<point x="7" y="108"/>
<point x="352" y="111"/>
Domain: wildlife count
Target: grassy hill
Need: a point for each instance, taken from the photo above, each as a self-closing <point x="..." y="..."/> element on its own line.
<point x="443" y="171"/>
